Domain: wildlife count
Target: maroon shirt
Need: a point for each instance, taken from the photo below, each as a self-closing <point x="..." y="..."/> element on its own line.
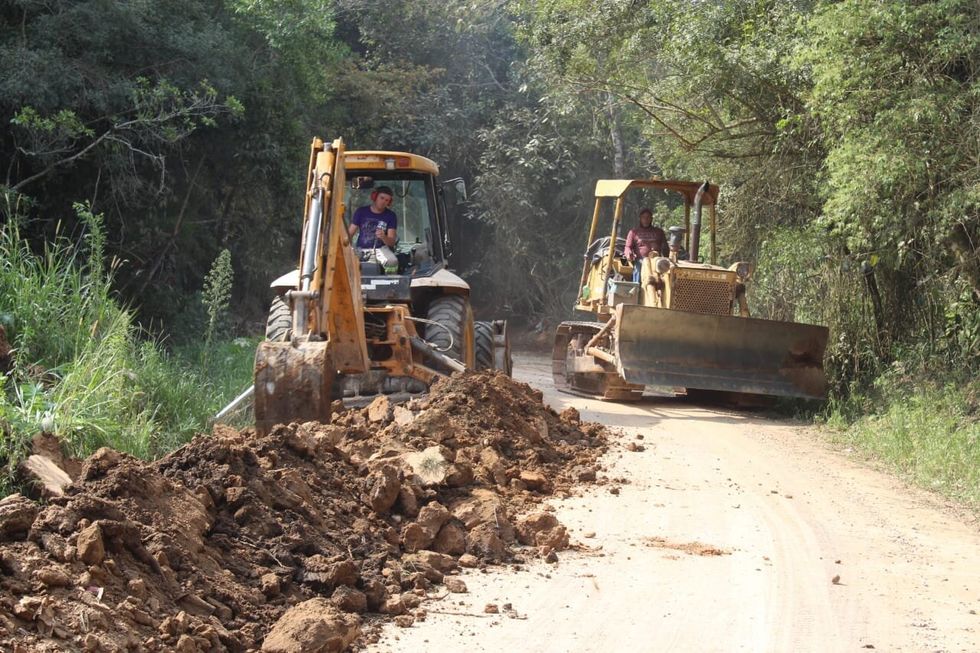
<point x="640" y="241"/>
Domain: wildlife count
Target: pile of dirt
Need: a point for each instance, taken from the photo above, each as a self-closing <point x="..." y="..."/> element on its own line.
<point x="297" y="541"/>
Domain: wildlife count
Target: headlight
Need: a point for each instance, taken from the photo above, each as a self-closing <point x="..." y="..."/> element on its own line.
<point x="662" y="265"/>
<point x="742" y="270"/>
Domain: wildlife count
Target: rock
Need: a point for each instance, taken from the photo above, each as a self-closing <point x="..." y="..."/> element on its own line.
<point x="535" y="481"/>
<point x="312" y="439"/>
<point x="493" y="465"/>
<point x="414" y="537"/>
<point x="329" y="572"/>
<point x="542" y="529"/>
<point x="485" y="507"/>
<point x="349" y="599"/>
<point x="582" y="473"/>
<point x="469" y="561"/>
<point x="551" y="558"/>
<point x="384" y="486"/>
<point x="46" y="474"/>
<point x="451" y="538"/>
<point x="99" y="463"/>
<point x="417" y="571"/>
<point x="430" y="464"/>
<point x="269" y="584"/>
<point x="137" y="587"/>
<point x="439" y="561"/>
<point x="374" y="592"/>
<point x="404" y="621"/>
<point x="459" y="475"/>
<point x="455" y="585"/>
<point x="53" y="576"/>
<point x="484" y="542"/>
<point x="91" y="548"/>
<point x="313" y="626"/>
<point x="393" y="605"/>
<point x="537" y="429"/>
<point x="379" y="410"/>
<point x="17" y="513"/>
<point x="570" y="415"/>
<point x="402" y="416"/>
<point x="408" y="503"/>
<point x="432" y="517"/>
<point x="491" y="608"/>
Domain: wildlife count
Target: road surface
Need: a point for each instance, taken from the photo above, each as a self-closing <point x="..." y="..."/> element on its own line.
<point x="730" y="532"/>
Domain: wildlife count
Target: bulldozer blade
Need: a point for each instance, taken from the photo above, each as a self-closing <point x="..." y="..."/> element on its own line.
<point x="292" y="383"/>
<point x="663" y="347"/>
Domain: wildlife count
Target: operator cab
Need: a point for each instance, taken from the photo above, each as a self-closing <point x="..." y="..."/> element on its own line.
<point x="421" y="247"/>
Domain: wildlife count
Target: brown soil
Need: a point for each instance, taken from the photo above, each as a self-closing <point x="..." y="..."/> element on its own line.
<point x="235" y="542"/>
<point x="690" y="548"/>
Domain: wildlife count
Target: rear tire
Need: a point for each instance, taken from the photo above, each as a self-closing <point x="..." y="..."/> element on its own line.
<point x="279" y="326"/>
<point x="483" y="337"/>
<point x="456" y="338"/>
<point x="491" y="355"/>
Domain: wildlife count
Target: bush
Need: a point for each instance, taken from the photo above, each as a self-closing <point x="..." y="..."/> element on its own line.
<point x="84" y="371"/>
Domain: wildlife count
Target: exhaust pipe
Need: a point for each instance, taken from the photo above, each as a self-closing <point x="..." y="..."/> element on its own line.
<point x="696" y="224"/>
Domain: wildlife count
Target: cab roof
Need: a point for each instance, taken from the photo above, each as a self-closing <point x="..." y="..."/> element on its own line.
<point x="388" y="160"/>
<point x="617" y="187"/>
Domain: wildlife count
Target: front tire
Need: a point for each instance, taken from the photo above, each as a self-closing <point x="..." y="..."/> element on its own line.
<point x="455" y="335"/>
<point x="279" y="325"/>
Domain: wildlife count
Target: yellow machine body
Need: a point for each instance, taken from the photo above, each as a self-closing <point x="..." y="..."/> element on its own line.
<point x="685" y="325"/>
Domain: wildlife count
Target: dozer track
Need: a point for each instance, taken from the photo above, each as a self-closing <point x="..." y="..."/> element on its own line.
<point x="576" y="371"/>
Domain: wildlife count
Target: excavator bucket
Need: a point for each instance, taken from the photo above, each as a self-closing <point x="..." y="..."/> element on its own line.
<point x="662" y="347"/>
<point x="293" y="383"/>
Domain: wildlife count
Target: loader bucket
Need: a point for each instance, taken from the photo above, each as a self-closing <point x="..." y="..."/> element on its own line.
<point x="292" y="383"/>
<point x="656" y="346"/>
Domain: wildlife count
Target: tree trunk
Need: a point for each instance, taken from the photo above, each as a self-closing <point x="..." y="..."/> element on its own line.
<point x="615" y="133"/>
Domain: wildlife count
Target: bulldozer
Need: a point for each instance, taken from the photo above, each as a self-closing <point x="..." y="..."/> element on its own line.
<point x="685" y="327"/>
<point x="351" y="324"/>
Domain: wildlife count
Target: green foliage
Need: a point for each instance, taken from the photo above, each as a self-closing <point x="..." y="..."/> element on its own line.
<point x="217" y="293"/>
<point x="841" y="134"/>
<point x="928" y="433"/>
<point x="901" y="189"/>
<point x="81" y="369"/>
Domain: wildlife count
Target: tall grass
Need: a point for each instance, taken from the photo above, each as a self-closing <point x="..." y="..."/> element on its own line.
<point x="84" y="371"/>
<point x="928" y="432"/>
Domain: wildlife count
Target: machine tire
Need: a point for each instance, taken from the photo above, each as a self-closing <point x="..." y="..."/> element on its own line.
<point x="455" y="314"/>
<point x="483" y="338"/>
<point x="279" y="326"/>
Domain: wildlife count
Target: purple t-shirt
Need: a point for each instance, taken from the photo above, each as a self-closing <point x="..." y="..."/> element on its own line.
<point x="367" y="223"/>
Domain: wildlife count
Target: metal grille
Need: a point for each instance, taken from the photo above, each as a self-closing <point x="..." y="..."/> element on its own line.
<point x="707" y="296"/>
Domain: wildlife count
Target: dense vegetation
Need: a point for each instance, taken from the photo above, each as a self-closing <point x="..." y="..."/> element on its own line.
<point x="844" y="136"/>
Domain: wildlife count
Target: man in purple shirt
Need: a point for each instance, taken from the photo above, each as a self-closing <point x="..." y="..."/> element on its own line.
<point x="376" y="225"/>
<point x="644" y="240"/>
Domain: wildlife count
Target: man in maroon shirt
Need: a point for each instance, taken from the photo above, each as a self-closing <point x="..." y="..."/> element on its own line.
<point x="643" y="241"/>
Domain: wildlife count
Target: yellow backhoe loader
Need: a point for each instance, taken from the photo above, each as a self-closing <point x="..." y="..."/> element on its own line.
<point x="351" y="324"/>
<point x="685" y="325"/>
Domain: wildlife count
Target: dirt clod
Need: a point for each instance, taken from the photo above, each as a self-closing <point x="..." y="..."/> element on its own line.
<point x="312" y="626"/>
<point x="239" y="542"/>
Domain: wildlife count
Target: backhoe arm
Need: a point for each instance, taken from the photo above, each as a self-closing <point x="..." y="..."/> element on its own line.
<point x="294" y="379"/>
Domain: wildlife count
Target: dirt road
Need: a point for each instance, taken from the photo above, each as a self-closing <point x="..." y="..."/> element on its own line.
<point x="727" y="532"/>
